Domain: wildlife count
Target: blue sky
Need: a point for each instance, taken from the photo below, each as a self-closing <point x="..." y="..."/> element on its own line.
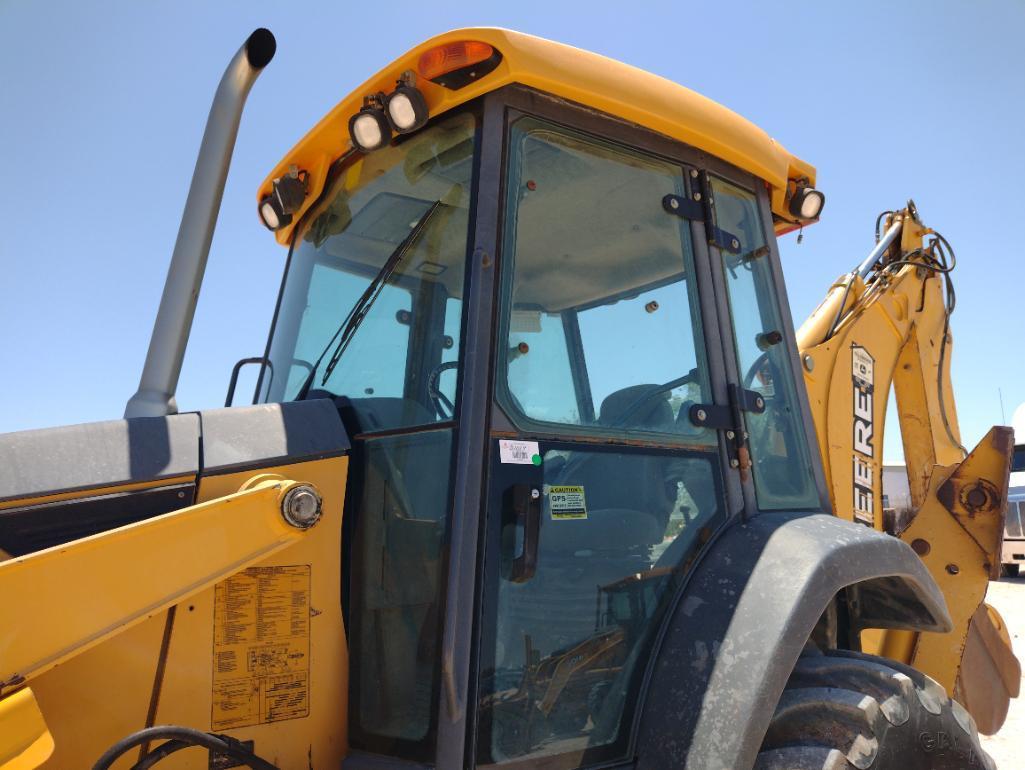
<point x="102" y="107"/>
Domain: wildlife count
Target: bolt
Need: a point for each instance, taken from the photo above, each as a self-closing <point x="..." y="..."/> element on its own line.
<point x="535" y="494"/>
<point x="673" y="203"/>
<point x="920" y="546"/>
<point x="809" y="362"/>
<point x="301" y="506"/>
<point x="651" y="307"/>
<point x="976" y="497"/>
<point x="953" y="569"/>
<point x="702" y="415"/>
<point x="735" y="243"/>
<point x="730" y="434"/>
<point x="759" y="402"/>
<point x="734" y="463"/>
<point x="697" y="196"/>
<point x="693" y="173"/>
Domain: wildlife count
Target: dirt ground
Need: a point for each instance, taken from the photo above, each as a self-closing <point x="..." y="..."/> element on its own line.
<point x="1008" y="746"/>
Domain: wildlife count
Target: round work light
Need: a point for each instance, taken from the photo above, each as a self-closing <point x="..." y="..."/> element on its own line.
<point x="406" y="109"/>
<point x="807" y="203"/>
<point x="271" y="215"/>
<point x="369" y="129"/>
<point x="286" y="197"/>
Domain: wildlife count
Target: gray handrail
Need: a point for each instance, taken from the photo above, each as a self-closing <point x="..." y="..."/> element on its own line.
<point x="155" y="396"/>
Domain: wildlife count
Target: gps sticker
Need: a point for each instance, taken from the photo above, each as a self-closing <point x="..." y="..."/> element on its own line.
<point x="567" y="503"/>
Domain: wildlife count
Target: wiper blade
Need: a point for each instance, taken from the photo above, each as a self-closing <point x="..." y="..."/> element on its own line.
<point x="347" y="330"/>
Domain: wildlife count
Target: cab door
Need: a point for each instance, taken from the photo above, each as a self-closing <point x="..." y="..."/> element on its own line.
<point x="601" y="488"/>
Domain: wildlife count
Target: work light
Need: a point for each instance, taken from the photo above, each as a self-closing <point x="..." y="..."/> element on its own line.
<point x="807" y="203"/>
<point x="406" y="109"/>
<point x="285" y="199"/>
<point x="369" y="128"/>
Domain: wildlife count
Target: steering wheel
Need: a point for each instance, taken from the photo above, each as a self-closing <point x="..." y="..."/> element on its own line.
<point x="761" y="364"/>
<point x="691" y="376"/>
<point x="441" y="402"/>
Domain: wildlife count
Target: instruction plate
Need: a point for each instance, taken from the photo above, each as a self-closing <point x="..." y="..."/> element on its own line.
<point x="261" y="655"/>
<point x="567" y="502"/>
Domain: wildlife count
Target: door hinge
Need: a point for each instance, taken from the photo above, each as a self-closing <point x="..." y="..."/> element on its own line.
<point x="700" y="207"/>
<point x="729" y="419"/>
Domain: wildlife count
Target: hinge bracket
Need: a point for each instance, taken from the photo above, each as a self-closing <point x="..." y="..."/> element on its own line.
<point x="729" y="418"/>
<point x="700" y="207"/>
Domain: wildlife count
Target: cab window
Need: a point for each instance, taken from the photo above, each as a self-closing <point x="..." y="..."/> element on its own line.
<point x="779" y="445"/>
<point x="602" y="335"/>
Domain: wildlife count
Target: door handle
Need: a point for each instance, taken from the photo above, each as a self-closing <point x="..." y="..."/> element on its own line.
<point x="525" y="502"/>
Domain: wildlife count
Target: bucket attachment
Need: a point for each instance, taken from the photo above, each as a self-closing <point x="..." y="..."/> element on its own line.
<point x="990" y="674"/>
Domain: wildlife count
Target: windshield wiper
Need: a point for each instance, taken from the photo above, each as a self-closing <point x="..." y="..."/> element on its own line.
<point x="347" y="330"/>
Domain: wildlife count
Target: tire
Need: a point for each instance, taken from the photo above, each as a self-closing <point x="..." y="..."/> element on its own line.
<point x="850" y="711"/>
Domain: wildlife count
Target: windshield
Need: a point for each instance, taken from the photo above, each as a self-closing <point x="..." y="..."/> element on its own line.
<point x="398" y="367"/>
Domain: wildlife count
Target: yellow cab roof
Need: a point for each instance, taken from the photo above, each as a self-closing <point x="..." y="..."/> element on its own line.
<point x="600" y="83"/>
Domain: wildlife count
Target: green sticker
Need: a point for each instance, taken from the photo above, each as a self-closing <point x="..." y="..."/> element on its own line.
<point x="536" y="459"/>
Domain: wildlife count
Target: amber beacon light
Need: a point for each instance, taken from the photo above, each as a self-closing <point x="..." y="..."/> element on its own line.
<point x="451" y="58"/>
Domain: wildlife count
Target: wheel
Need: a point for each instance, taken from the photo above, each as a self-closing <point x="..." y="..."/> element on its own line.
<point x="1011" y="570"/>
<point x="846" y="710"/>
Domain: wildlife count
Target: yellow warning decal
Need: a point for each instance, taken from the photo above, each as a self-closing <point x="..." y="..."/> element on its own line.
<point x="261" y="655"/>
<point x="567" y="502"/>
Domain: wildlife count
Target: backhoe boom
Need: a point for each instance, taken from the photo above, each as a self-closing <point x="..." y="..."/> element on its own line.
<point x="888" y="323"/>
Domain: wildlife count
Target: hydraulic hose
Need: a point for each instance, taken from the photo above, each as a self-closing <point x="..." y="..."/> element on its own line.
<point x="187" y="737"/>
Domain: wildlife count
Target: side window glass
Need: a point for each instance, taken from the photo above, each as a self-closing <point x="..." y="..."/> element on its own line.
<point x="397" y="586"/>
<point x="538" y="366"/>
<point x="378" y="353"/>
<point x="443" y="386"/>
<point x="396" y="363"/>
<point x="601" y="320"/>
<point x="641" y="329"/>
<point x="779" y="449"/>
<point x="563" y="662"/>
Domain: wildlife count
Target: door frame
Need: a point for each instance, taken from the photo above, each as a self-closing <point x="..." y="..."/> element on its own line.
<point x="481" y="421"/>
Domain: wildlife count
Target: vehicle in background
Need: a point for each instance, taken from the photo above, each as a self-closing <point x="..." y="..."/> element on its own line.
<point x="1012" y="552"/>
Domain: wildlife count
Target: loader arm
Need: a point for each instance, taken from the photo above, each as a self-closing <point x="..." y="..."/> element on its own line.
<point x="181" y="570"/>
<point x="60" y="602"/>
<point x="888" y="323"/>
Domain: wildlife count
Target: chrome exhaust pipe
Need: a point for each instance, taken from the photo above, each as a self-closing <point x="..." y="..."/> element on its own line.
<point x="155" y="396"/>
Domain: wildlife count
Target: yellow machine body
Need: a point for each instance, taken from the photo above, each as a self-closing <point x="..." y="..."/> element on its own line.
<point x="224" y="617"/>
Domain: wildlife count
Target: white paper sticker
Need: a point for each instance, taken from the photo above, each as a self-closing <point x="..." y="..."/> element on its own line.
<point x="526" y="321"/>
<point x="519" y="452"/>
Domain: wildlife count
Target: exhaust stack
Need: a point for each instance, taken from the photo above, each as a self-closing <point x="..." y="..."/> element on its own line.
<point x="155" y="396"/>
